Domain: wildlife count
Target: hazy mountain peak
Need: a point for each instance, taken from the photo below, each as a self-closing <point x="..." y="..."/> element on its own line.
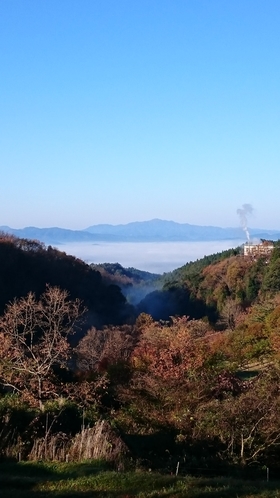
<point x="155" y="230"/>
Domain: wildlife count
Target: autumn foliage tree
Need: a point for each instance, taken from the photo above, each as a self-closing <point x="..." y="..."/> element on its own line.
<point x="172" y="352"/>
<point x="34" y="340"/>
<point x="99" y="349"/>
<point x="168" y="363"/>
<point x="245" y="426"/>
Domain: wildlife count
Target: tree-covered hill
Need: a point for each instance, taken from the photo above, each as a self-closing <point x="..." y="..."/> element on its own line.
<point x="194" y="268"/>
<point x="207" y="287"/>
<point x="28" y="265"/>
<point x="135" y="284"/>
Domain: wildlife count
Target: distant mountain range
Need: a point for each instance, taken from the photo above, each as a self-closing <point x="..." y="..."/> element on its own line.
<point x="139" y="231"/>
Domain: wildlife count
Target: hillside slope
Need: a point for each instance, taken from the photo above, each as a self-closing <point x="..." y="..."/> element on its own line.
<point x="28" y="266"/>
<point x="205" y="287"/>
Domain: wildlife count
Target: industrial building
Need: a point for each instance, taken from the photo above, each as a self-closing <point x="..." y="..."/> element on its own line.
<point x="264" y="248"/>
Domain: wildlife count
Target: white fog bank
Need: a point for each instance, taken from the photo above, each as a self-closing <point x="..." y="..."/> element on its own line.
<point x="155" y="257"/>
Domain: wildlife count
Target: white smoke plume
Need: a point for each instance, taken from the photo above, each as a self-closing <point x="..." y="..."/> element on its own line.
<point x="243" y="213"/>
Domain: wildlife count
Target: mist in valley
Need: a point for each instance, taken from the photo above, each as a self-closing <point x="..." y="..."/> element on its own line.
<point x="154" y="257"/>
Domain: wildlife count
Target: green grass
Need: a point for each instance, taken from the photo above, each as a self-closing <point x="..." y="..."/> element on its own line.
<point x="95" y="480"/>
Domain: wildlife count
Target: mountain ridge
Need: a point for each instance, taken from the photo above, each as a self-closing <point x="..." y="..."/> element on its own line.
<point x="155" y="230"/>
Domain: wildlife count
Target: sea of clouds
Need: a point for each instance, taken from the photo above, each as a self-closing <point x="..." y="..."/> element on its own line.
<point x="154" y="257"/>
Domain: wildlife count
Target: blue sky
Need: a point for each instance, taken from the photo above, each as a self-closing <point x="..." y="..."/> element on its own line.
<point x="114" y="111"/>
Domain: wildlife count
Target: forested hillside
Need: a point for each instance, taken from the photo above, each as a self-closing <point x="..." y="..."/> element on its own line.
<point x="207" y="287"/>
<point x="135" y="284"/>
<point x="201" y="389"/>
<point x="28" y="265"/>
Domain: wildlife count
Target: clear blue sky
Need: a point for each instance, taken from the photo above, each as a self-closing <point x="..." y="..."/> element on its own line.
<point x="114" y="111"/>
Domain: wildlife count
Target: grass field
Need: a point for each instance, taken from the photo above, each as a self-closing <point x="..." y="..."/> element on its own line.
<point x="95" y="480"/>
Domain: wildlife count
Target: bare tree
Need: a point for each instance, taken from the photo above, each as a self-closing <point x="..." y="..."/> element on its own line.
<point x="34" y="340"/>
<point x="230" y="313"/>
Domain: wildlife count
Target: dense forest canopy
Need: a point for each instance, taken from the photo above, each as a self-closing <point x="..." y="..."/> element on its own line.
<point x="190" y="374"/>
<point x="28" y="265"/>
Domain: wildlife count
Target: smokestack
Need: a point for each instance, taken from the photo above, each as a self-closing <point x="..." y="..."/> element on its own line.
<point x="243" y="212"/>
